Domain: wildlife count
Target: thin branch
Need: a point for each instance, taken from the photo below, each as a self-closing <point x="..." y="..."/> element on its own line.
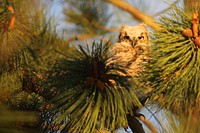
<point x="148" y="124"/>
<point x="105" y="28"/>
<point x="82" y="37"/>
<point x="135" y="12"/>
<point x="79" y="37"/>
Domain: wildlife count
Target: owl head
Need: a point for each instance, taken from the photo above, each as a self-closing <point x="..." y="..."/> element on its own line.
<point x="134" y="34"/>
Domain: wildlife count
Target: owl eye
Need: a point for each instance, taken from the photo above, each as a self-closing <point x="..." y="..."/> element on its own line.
<point x="126" y="37"/>
<point x="141" y="37"/>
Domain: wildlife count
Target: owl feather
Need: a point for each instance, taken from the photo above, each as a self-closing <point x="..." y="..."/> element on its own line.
<point x="131" y="49"/>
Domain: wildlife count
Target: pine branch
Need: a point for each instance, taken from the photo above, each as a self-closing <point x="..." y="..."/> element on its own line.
<point x="87" y="90"/>
<point x="175" y="62"/>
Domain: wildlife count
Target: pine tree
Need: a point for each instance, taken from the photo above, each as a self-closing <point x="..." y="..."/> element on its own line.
<point x="69" y="85"/>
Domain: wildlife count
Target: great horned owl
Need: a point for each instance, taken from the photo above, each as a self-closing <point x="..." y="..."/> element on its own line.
<point x="131" y="49"/>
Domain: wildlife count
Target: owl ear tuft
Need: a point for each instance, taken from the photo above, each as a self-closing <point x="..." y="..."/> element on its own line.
<point x="119" y="38"/>
<point x="143" y="24"/>
<point x="122" y="32"/>
<point x="123" y="27"/>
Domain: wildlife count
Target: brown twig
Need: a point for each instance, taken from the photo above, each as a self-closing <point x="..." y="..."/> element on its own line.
<point x="148" y="124"/>
<point x="105" y="28"/>
<point x="80" y="37"/>
<point x="136" y="13"/>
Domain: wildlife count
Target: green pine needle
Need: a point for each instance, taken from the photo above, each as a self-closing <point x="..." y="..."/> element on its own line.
<point x="175" y="62"/>
<point x="87" y="97"/>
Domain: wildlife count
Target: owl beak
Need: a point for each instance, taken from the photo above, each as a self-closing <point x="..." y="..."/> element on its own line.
<point x="133" y="42"/>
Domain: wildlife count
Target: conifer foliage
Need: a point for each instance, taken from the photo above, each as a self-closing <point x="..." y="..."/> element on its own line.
<point x="92" y="95"/>
<point x="26" y="39"/>
<point x="176" y="60"/>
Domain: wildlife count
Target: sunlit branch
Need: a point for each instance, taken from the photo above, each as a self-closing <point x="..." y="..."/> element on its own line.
<point x="136" y="13"/>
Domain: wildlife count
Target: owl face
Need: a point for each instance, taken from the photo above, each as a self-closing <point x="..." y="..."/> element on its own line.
<point x="134" y="34"/>
<point x="132" y="49"/>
